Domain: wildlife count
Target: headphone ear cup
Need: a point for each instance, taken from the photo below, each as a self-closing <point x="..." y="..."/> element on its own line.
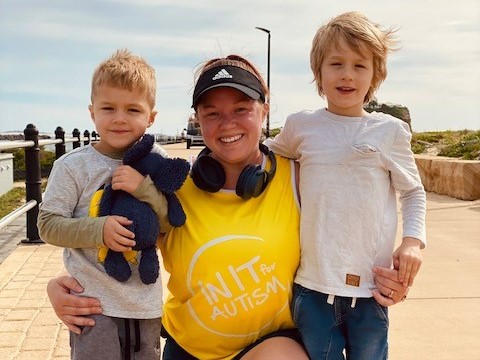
<point x="208" y="174"/>
<point x="251" y="182"/>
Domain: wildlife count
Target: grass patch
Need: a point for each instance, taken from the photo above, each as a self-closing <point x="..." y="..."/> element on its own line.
<point x="14" y="199"/>
<point x="11" y="200"/>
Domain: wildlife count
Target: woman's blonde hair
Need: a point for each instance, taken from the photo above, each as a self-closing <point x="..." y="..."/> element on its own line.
<point x="358" y="32"/>
<point x="126" y="71"/>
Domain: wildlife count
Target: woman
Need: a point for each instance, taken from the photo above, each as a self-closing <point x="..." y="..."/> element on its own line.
<point x="232" y="264"/>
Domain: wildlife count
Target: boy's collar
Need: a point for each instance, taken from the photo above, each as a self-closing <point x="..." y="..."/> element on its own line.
<point x="117" y="155"/>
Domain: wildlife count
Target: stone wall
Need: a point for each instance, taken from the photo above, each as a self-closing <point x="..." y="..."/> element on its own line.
<point x="452" y="177"/>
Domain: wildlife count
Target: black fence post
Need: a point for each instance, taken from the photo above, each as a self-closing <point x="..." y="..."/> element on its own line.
<point x="94" y="135"/>
<point x="86" y="134"/>
<point x="76" y="133"/>
<point x="33" y="182"/>
<point x="60" y="147"/>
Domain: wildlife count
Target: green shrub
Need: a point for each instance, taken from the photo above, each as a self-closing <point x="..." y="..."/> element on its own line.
<point x="430" y="137"/>
<point x="274" y="132"/>
<point x="46" y="162"/>
<point x="19" y="159"/>
<point x="417" y="148"/>
<point x="467" y="150"/>
<point x="463" y="144"/>
<point x="46" y="159"/>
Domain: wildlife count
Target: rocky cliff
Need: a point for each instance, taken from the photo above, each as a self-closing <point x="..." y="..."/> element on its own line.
<point x="399" y="111"/>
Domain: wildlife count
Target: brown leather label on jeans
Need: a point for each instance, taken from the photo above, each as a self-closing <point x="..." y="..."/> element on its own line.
<point x="353" y="280"/>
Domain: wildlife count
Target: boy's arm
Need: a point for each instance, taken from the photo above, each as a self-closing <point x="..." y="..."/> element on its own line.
<point x="407" y="182"/>
<point x="58" y="226"/>
<point x="56" y="222"/>
<point x="282" y="144"/>
<point x="86" y="232"/>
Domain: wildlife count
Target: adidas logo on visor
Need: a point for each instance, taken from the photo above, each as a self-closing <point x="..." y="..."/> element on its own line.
<point x="222" y="74"/>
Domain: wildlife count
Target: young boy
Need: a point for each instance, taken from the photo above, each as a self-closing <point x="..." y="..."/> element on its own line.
<point x="122" y="108"/>
<point x="351" y="163"/>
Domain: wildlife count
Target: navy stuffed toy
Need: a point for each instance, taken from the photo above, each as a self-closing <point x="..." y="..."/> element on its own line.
<point x="168" y="176"/>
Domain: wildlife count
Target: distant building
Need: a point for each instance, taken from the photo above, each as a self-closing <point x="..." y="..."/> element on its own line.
<point x="194" y="132"/>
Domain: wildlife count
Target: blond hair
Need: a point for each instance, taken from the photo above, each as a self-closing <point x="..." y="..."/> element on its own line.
<point x="126" y="71"/>
<point x="358" y="32"/>
<point x="238" y="61"/>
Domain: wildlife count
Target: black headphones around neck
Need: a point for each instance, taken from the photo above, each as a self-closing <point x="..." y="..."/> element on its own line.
<point x="208" y="174"/>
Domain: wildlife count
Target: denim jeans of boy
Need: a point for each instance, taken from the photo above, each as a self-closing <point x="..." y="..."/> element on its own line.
<point x="328" y="329"/>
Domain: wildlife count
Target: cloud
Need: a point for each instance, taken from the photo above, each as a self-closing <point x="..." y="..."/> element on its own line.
<point x="49" y="49"/>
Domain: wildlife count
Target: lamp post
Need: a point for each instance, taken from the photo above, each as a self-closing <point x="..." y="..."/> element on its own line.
<point x="267" y="130"/>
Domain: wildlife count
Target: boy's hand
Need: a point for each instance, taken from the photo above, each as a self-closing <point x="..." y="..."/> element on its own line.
<point x="409" y="258"/>
<point x="126" y="178"/>
<point x="116" y="236"/>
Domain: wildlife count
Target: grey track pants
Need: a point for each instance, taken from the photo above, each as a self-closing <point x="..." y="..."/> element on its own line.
<point x="117" y="339"/>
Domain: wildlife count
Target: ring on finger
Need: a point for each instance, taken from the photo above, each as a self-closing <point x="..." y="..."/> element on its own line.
<point x="405" y="296"/>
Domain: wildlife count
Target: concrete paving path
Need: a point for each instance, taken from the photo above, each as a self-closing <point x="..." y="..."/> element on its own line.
<point x="440" y="320"/>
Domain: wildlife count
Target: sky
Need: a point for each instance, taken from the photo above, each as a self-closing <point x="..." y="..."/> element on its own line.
<point x="50" y="48"/>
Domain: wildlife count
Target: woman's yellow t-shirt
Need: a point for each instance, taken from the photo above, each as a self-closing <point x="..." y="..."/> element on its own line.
<point x="232" y="266"/>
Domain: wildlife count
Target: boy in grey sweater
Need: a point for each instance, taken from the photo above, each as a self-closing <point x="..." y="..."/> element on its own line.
<point x="122" y="108"/>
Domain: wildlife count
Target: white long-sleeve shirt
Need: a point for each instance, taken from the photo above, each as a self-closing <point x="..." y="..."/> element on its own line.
<point x="350" y="169"/>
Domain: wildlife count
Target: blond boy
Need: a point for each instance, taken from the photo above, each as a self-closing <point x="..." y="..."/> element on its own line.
<point x="122" y="109"/>
<point x="351" y="165"/>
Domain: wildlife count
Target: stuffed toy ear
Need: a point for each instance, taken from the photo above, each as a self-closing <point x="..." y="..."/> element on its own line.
<point x="139" y="150"/>
<point x="171" y="174"/>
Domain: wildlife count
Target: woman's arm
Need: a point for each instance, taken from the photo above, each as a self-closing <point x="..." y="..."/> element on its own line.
<point x="389" y="290"/>
<point x="72" y="309"/>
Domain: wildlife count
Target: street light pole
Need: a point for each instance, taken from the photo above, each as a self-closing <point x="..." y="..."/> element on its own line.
<point x="267" y="130"/>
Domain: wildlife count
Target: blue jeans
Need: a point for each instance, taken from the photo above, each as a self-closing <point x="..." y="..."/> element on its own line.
<point x="329" y="329"/>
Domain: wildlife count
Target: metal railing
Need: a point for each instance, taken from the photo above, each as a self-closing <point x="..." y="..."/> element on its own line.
<point x="33" y="179"/>
<point x="7" y="219"/>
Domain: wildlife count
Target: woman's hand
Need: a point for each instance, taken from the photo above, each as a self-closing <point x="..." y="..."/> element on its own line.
<point x="389" y="289"/>
<point x="71" y="309"/>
